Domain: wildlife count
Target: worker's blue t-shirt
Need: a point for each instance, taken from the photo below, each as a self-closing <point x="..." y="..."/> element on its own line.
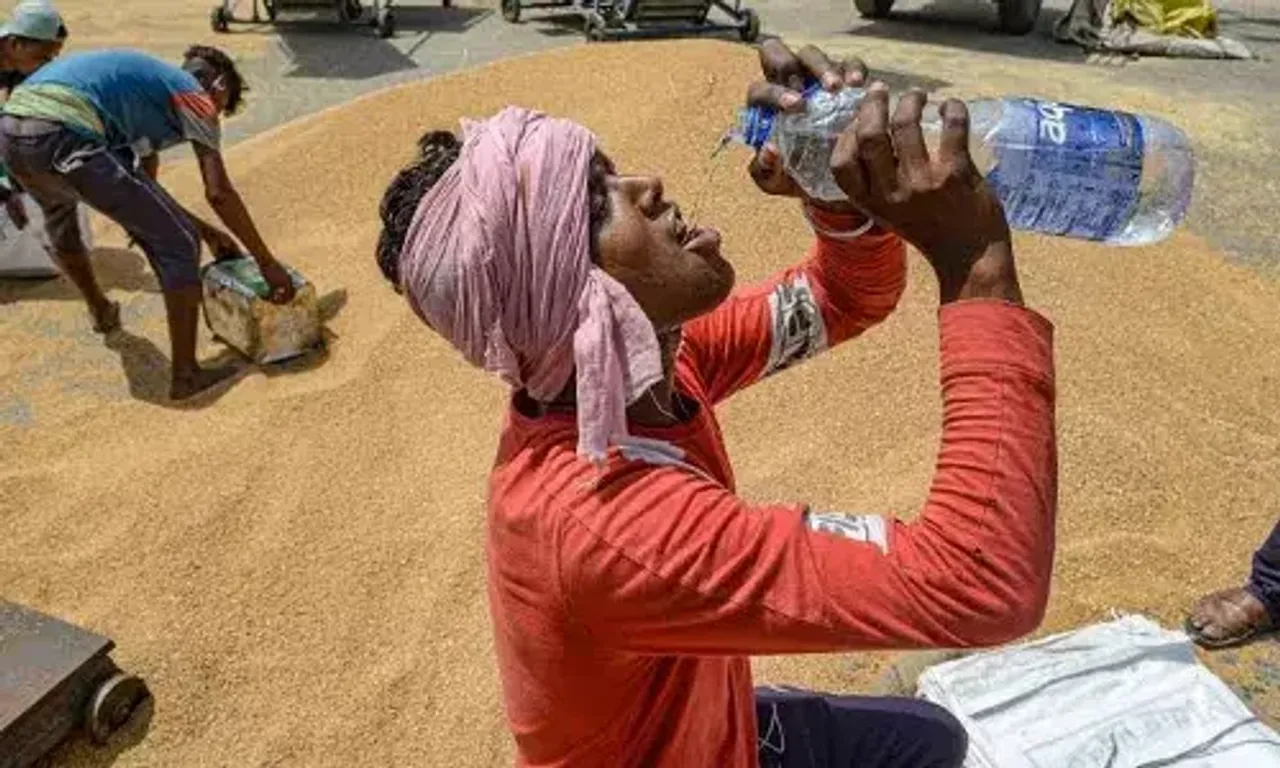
<point x="125" y="97"/>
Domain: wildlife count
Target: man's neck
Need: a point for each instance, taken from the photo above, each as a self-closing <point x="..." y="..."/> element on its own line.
<point x="656" y="407"/>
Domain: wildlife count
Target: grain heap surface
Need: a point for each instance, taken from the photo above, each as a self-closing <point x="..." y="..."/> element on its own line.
<point x="297" y="568"/>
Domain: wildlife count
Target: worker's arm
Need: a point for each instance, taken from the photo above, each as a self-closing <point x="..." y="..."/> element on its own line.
<point x="226" y="202"/>
<point x="219" y="242"/>
<point x="151" y="165"/>
<point x="198" y="116"/>
<point x="671" y="563"/>
<point x="842" y="288"/>
<point x="665" y="562"/>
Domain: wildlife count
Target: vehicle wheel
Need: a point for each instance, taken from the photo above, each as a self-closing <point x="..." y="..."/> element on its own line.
<point x="349" y="11"/>
<point x="113" y="704"/>
<point x="750" y="31"/>
<point x="219" y="19"/>
<point x="446" y="3"/>
<point x="594" y="30"/>
<point x="270" y="7"/>
<point x="1018" y="17"/>
<point x="511" y="11"/>
<point x="873" y="9"/>
<point x="386" y="23"/>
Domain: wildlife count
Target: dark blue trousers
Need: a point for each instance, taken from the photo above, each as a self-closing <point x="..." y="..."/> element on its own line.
<point x="801" y="729"/>
<point x="1264" y="580"/>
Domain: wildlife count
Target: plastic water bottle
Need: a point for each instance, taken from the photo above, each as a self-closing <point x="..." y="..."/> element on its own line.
<point x="1058" y="169"/>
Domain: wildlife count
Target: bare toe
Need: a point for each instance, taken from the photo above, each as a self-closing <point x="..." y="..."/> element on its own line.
<point x="1228" y="617"/>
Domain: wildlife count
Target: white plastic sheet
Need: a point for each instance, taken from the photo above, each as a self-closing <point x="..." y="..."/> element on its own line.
<point x="24" y="252"/>
<point x="1122" y="694"/>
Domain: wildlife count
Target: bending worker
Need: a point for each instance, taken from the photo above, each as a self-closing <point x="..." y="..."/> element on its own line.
<point x="68" y="134"/>
<point x="628" y="582"/>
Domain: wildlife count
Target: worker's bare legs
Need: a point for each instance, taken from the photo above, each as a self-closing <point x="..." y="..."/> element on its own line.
<point x="183" y="308"/>
<point x="105" y="313"/>
<point x="169" y="239"/>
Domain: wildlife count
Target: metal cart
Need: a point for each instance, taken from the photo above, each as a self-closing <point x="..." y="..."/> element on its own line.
<point x="375" y="13"/>
<point x="1017" y="17"/>
<point x="618" y="19"/>
<point x="56" y="677"/>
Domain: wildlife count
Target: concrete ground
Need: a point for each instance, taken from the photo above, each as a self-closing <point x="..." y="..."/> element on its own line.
<point x="946" y="46"/>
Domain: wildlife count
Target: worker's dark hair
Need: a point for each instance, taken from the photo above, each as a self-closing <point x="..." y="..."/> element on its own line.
<point x="62" y="32"/>
<point x="207" y="64"/>
<point x="437" y="151"/>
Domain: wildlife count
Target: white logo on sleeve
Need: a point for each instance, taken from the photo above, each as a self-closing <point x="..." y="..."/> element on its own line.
<point x="798" y="329"/>
<point x="868" y="528"/>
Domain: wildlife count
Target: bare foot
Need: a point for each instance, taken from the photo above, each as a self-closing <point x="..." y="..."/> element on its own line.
<point x="1226" y="618"/>
<point x="106" y="319"/>
<point x="186" y="386"/>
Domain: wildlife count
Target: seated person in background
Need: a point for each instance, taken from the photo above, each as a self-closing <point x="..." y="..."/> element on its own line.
<point x="65" y="136"/>
<point x="1240" y="614"/>
<point x="629" y="584"/>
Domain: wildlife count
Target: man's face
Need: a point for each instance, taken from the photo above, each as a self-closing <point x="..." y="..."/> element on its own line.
<point x="26" y="56"/>
<point x="672" y="268"/>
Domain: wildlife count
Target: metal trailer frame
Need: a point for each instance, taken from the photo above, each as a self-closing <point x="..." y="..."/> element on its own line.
<point x="375" y="13"/>
<point x="629" y="19"/>
<point x="55" y="678"/>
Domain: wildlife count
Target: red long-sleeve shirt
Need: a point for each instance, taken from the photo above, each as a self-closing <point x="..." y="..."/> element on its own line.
<point x="625" y="606"/>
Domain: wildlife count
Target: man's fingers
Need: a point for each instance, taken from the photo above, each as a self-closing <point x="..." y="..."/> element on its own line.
<point x="780" y="65"/>
<point x="774" y="96"/>
<point x="908" y="139"/>
<point x="846" y="166"/>
<point x="768" y="173"/>
<point x="875" y="148"/>
<point x="953" y="148"/>
<point x="821" y="68"/>
<point x="764" y="167"/>
<point x="855" y="71"/>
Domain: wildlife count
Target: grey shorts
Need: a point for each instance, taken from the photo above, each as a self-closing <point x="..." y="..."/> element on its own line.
<point x="60" y="169"/>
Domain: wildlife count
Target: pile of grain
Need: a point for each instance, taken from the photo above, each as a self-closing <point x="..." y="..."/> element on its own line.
<point x="297" y="568"/>
<point x="164" y="28"/>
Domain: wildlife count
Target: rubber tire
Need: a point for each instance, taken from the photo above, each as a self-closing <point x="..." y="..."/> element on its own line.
<point x="112" y="704"/>
<point x="350" y="11"/>
<point x="750" y="30"/>
<point x="511" y="11"/>
<point x="446" y="3"/>
<point x="1018" y="17"/>
<point x="873" y="9"/>
<point x="386" y="23"/>
<point x="219" y="19"/>
<point x="594" y="31"/>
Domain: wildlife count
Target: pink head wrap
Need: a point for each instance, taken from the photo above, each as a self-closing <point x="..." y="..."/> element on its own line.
<point x="497" y="260"/>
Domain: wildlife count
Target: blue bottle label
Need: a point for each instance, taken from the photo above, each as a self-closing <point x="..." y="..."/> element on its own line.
<point x="1080" y="175"/>
<point x="757" y="123"/>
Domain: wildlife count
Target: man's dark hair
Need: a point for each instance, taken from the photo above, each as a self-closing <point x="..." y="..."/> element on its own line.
<point x="207" y="64"/>
<point x="437" y="151"/>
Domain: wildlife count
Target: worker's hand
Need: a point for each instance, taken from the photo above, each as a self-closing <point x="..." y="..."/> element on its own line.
<point x="786" y="74"/>
<point x="278" y="280"/>
<point x="941" y="205"/>
<point x="221" y="244"/>
<point x="17" y="211"/>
